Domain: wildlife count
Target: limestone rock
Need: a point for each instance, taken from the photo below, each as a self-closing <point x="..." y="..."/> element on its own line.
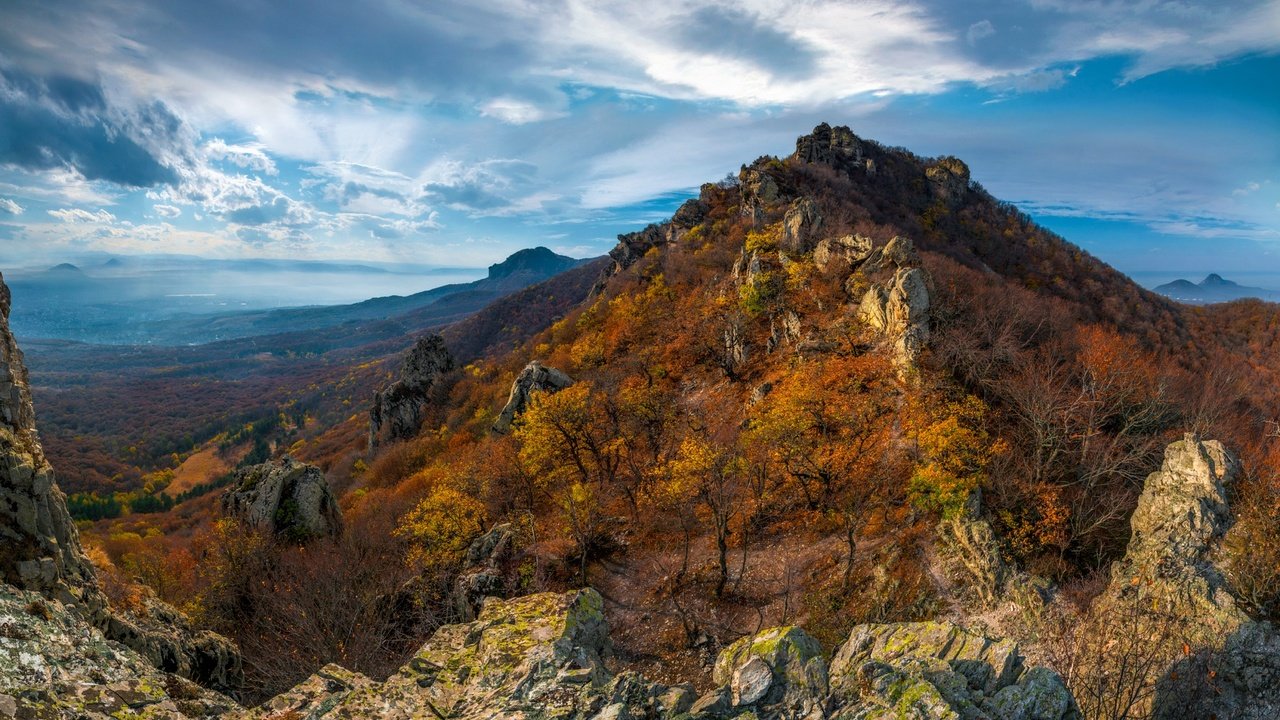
<point x="166" y="638"/>
<point x="399" y="409"/>
<point x="1168" y="571"/>
<point x="938" y="670"/>
<point x="846" y="251"/>
<point x="900" y="311"/>
<point x="536" y="656"/>
<point x="39" y="546"/>
<point x="1181" y="514"/>
<point x="799" y="226"/>
<point x="633" y="246"/>
<point x="761" y="193"/>
<point x="482" y="576"/>
<point x="55" y="665"/>
<point x="782" y="669"/>
<point x="288" y="498"/>
<point x="949" y="179"/>
<point x="535" y="377"/>
<point x="836" y="146"/>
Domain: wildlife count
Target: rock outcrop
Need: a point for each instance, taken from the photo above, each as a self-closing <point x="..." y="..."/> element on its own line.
<point x="898" y="308"/>
<point x="55" y="665"/>
<point x="534" y="378"/>
<point x="1220" y="662"/>
<point x="399" y="409"/>
<point x="39" y="546"/>
<point x="542" y="656"/>
<point x="482" y="574"/>
<point x="800" y="226"/>
<point x="288" y="498"/>
<point x="937" y="670"/>
<point x="847" y="252"/>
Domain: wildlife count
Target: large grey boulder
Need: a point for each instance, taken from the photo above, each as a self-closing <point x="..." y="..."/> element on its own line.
<point x="534" y="378"/>
<point x="399" y="409"/>
<point x="288" y="498"/>
<point x="800" y="225"/>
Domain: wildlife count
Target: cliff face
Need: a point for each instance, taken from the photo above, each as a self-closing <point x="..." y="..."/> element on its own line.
<point x="41" y="548"/>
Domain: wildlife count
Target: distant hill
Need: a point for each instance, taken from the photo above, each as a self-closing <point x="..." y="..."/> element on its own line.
<point x="65" y="269"/>
<point x="520" y="270"/>
<point x="1214" y="289"/>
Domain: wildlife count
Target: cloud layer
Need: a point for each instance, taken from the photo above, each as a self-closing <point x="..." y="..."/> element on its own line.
<point x="458" y="131"/>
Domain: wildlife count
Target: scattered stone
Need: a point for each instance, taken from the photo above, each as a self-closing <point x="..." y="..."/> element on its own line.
<point x="535" y="377"/>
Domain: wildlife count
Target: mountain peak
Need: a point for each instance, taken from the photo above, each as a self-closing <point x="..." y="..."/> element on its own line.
<point x="539" y="259"/>
<point x="1216" y="280"/>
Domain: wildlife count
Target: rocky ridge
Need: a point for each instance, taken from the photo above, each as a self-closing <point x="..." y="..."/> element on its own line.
<point x="399" y="409"/>
<point x="284" y="497"/>
<point x="544" y="656"/>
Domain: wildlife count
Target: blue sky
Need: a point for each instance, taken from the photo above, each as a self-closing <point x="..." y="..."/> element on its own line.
<point x="455" y="133"/>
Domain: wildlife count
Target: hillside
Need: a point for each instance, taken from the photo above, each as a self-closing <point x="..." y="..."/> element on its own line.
<point x="848" y="391"/>
<point x="115" y="414"/>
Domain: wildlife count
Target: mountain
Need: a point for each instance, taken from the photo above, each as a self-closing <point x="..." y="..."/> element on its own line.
<point x="184" y="301"/>
<point x="1214" y="289"/>
<point x="65" y="269"/>
<point x="846" y="399"/>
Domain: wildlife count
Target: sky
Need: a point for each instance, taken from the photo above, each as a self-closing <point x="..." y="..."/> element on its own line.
<point x="454" y="133"/>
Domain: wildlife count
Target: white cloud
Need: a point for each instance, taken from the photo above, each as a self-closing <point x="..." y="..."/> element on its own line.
<point x="10" y="207"/>
<point x="517" y="112"/>
<point x="168" y="211"/>
<point x="77" y="215"/>
<point x="249" y="156"/>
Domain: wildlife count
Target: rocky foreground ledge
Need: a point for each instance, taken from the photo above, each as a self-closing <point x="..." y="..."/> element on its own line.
<point x="544" y="656"/>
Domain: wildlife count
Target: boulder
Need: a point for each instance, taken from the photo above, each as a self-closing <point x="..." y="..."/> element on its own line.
<point x="288" y="498"/>
<point x="948" y="179"/>
<point x="535" y="377"/>
<point x="399" y="409"/>
<point x="780" y="670"/>
<point x="847" y="251"/>
<point x="900" y="311"/>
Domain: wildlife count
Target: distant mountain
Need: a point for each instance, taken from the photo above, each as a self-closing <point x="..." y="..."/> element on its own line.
<point x="65" y="269"/>
<point x="1214" y="289"/>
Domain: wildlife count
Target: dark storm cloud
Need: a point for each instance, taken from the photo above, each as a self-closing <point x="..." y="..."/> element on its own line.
<point x="64" y="122"/>
<point x="737" y="34"/>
